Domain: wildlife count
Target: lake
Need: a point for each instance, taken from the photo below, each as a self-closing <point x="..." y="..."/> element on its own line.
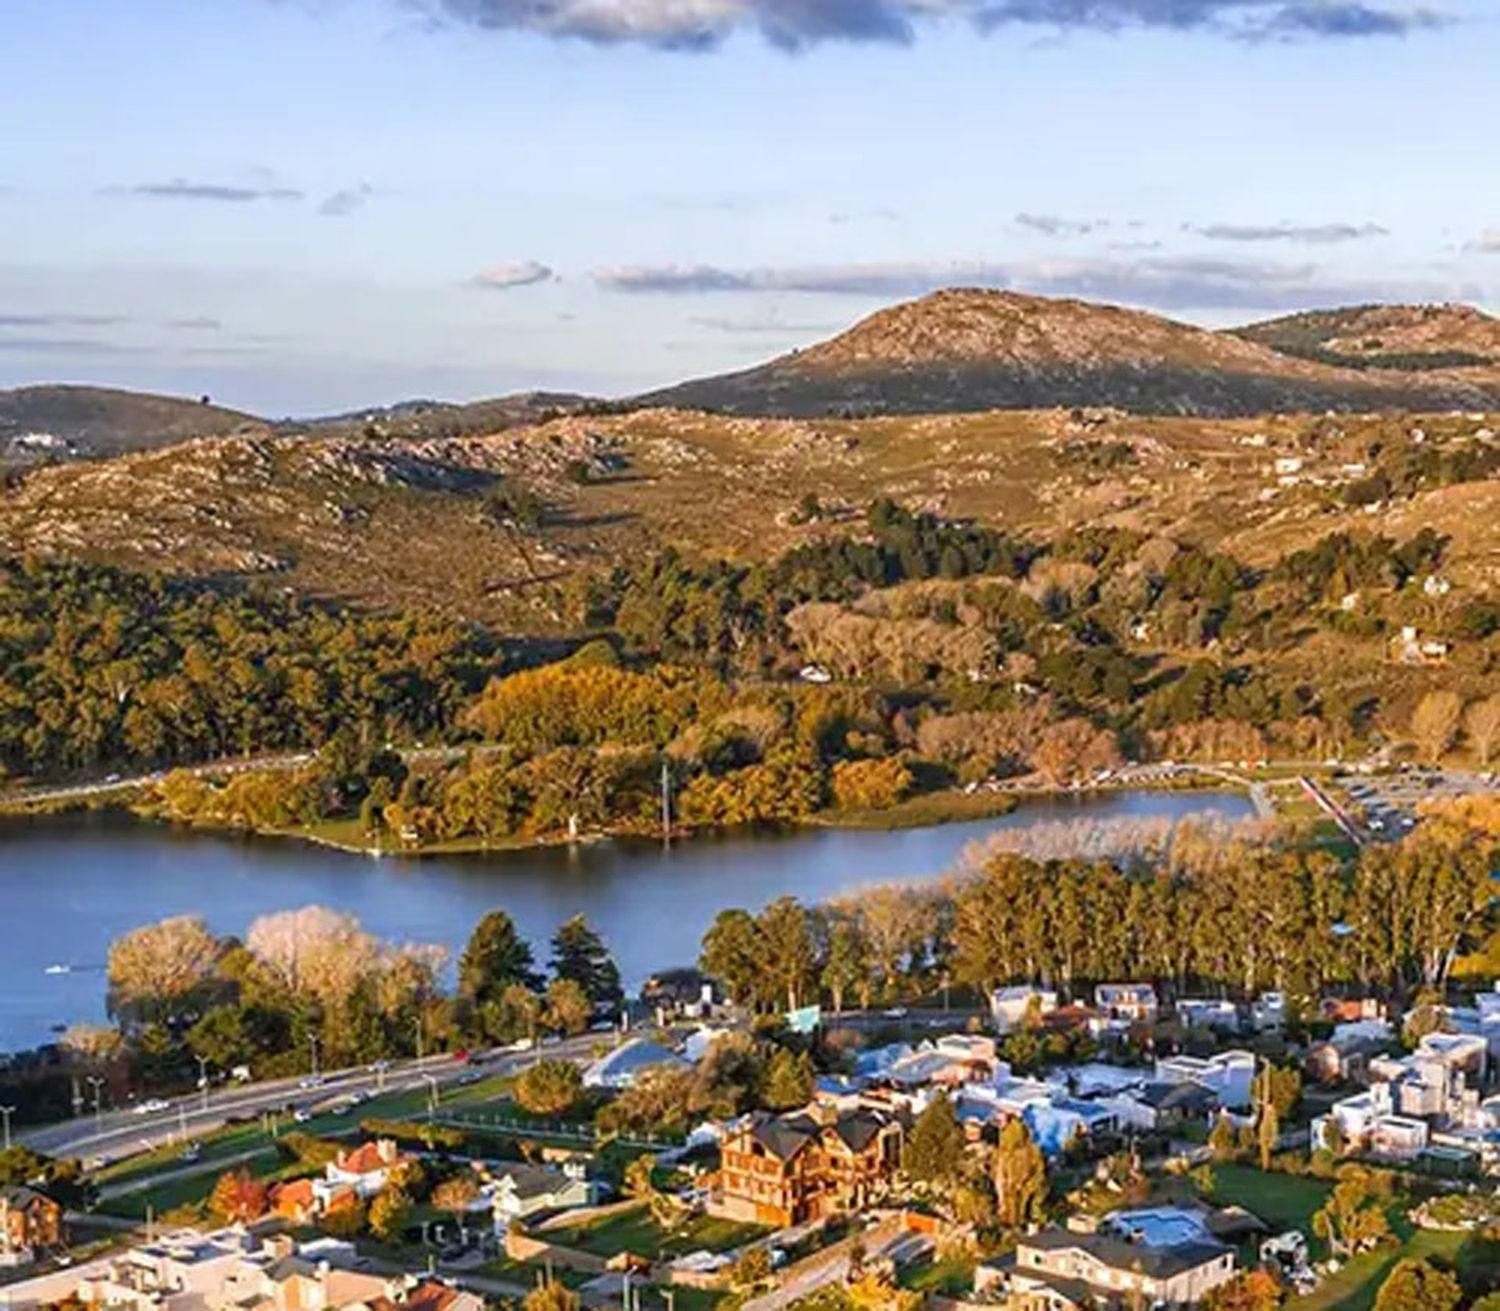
<point x="70" y="884"/>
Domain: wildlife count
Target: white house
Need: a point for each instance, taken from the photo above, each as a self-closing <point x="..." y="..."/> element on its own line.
<point x="1130" y="1003"/>
<point x="1230" y="1076"/>
<point x="367" y="1169"/>
<point x="1010" y="1006"/>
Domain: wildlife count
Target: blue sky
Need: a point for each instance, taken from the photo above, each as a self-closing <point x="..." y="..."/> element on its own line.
<point x="307" y="205"/>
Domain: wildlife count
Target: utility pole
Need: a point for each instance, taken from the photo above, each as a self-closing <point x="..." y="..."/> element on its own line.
<point x="432" y="1095"/>
<point x="7" y="1112"/>
<point x="203" y="1079"/>
<point x="419" y="1035"/>
<point x="666" y="805"/>
<point x="312" y="1042"/>
<point x="96" y="1083"/>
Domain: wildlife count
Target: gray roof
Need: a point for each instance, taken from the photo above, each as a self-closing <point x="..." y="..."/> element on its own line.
<point x="1154" y="1262"/>
<point x="532" y="1180"/>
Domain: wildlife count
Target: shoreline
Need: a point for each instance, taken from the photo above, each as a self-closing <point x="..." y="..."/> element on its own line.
<point x="926" y="810"/>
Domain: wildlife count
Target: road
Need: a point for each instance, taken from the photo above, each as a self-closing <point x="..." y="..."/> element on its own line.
<point x="82" y="791"/>
<point x="118" y="1133"/>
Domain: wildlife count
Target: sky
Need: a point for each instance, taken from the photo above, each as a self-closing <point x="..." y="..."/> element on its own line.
<point x="310" y="206"/>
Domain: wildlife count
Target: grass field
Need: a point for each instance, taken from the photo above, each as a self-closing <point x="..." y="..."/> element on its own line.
<point x="1283" y="1201"/>
<point x="635" y="1231"/>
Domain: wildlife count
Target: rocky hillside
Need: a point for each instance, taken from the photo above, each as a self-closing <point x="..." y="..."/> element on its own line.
<point x="61" y="422"/>
<point x="1386" y="337"/>
<point x="965" y="350"/>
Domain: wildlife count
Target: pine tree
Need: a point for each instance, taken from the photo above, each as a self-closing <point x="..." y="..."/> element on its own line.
<point x="578" y="953"/>
<point x="495" y="958"/>
<point x="935" y="1149"/>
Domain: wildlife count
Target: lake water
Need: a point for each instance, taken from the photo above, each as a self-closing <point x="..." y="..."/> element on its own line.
<point x="71" y="884"/>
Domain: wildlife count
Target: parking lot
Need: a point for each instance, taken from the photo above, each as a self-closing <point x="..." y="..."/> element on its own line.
<point x="1388" y="803"/>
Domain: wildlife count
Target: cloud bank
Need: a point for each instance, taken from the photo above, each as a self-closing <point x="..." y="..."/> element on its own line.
<point x="795" y="24"/>
<point x="1319" y="234"/>
<point x="1166" y="283"/>
<point x="223" y="193"/>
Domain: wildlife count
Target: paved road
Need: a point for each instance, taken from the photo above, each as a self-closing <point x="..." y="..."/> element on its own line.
<point x="99" y="787"/>
<point x="119" y="1133"/>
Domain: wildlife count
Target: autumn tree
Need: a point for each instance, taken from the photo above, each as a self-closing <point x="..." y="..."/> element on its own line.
<point x="1482" y="725"/>
<point x="156" y="968"/>
<point x="1353" y="1218"/>
<point x="788" y="1080"/>
<point x="549" y="1088"/>
<point x="567" y="1007"/>
<point x="1434" y="723"/>
<point x="390" y="1212"/>
<point x="1416" y="1285"/>
<point x="1020" y="1175"/>
<point x="552" y="1296"/>
<point x="1251" y="1290"/>
<point x="238" y="1198"/>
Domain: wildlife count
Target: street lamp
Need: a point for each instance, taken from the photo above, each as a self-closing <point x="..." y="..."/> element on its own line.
<point x="97" y="1084"/>
<point x="312" y="1041"/>
<point x="432" y="1094"/>
<point x="203" y="1079"/>
<point x="7" y="1112"/>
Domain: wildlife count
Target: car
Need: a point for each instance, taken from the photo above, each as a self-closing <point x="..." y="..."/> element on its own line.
<point x="153" y="1107"/>
<point x="462" y="1056"/>
<point x="312" y="1081"/>
<point x="191" y="1153"/>
<point x="302" y="1115"/>
<point x="895" y="1013"/>
<point x="473" y="1077"/>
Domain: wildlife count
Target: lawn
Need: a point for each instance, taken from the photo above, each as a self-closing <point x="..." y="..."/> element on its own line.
<point x="951" y="1276"/>
<point x="1283" y="1201"/>
<point x="1354" y="1287"/>
<point x="635" y="1231"/>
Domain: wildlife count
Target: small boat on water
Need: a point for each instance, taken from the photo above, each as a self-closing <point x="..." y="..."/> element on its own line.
<point x="58" y="969"/>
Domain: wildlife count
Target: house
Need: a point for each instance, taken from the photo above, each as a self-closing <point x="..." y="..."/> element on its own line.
<point x="1056" y="1270"/>
<point x="1398" y="1137"/>
<point x="1342" y="1060"/>
<point x="1159" y="1106"/>
<point x="618" y="1069"/>
<point x="1221" y="1016"/>
<point x="1059" y="1122"/>
<point x="1010" y="1007"/>
<point x="367" y="1170"/>
<point x="512" y="1191"/>
<point x="320" y="1276"/>
<point x="30" y="1221"/>
<point x="181" y="1271"/>
<point x="1230" y="1076"/>
<point x="1128" y="1003"/>
<point x="295" y="1201"/>
<point x="788" y="1169"/>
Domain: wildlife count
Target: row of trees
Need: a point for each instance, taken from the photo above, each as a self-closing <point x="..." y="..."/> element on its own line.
<point x="1197" y="907"/>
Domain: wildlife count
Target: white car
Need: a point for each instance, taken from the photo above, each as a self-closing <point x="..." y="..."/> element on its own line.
<point x="154" y="1107"/>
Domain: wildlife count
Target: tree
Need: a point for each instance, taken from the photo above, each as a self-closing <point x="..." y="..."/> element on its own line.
<point x="158" y="967"/>
<point x="1251" y="1290"/>
<point x="844" y="964"/>
<point x="1020" y="1174"/>
<point x="1334" y="1138"/>
<point x="1482" y="724"/>
<point x="567" y="1007"/>
<point x="1434" y="723"/>
<point x="733" y="952"/>
<point x="786" y="935"/>
<point x="935" y="1148"/>
<point x="752" y="1269"/>
<point x="496" y="957"/>
<point x="1418" y="1286"/>
<point x="552" y="1296"/>
<point x="1222" y="1139"/>
<point x="345" y="1220"/>
<point x="666" y="1210"/>
<point x="579" y="954"/>
<point x="238" y="1198"/>
<point x="1352" y="1219"/>
<point x="788" y="1081"/>
<point x="456" y="1195"/>
<point x="389" y="1214"/>
<point x="1282" y="1087"/>
<point x="1268" y="1133"/>
<point x="549" y="1087"/>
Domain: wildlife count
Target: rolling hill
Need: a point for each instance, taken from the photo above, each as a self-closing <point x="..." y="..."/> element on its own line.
<point x="53" y="421"/>
<point x="967" y="350"/>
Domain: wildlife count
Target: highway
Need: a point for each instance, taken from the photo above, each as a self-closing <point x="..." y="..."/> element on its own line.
<point x="113" y="1134"/>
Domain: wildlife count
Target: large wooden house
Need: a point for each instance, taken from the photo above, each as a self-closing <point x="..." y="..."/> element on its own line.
<point x="789" y="1169"/>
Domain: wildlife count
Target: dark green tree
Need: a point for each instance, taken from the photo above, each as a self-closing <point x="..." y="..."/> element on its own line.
<point x="496" y="957"/>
